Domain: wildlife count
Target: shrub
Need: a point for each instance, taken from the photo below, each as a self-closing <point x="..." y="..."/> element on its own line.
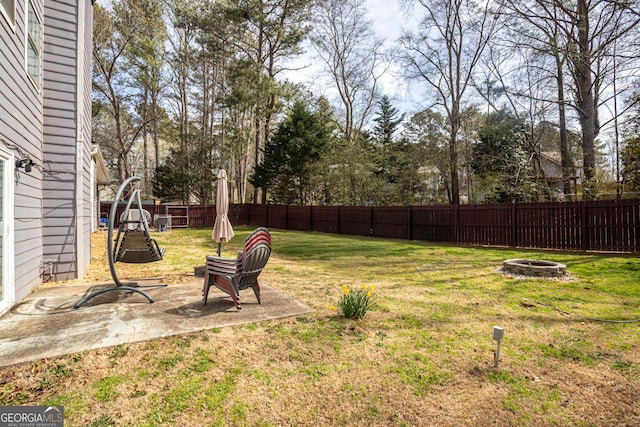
<point x="355" y="304"/>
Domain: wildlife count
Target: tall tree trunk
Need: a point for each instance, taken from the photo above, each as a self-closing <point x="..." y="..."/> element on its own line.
<point x="256" y="153"/>
<point x="184" y="109"/>
<point x="453" y="154"/>
<point x="453" y="169"/>
<point x="586" y="107"/>
<point x="259" y="141"/>
<point x="145" y="147"/>
<point x="156" y="130"/>
<point x="565" y="156"/>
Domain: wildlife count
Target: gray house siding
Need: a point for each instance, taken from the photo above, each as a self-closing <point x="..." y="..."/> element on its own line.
<point x="66" y="149"/>
<point x="21" y="133"/>
<point x="48" y="237"/>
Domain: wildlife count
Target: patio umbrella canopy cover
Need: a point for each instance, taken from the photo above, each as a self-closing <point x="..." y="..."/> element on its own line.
<point x="222" y="229"/>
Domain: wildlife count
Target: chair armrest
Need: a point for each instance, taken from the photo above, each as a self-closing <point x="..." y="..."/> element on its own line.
<point x="221" y="269"/>
<point x="214" y="258"/>
<point x="219" y="265"/>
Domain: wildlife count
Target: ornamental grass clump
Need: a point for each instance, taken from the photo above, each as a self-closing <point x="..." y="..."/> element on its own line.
<point x="355" y="304"/>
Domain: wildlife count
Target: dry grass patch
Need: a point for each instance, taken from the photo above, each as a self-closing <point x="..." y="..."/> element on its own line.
<point x="422" y="356"/>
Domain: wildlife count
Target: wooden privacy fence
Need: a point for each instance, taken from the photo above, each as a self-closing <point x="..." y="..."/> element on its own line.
<point x="584" y="226"/>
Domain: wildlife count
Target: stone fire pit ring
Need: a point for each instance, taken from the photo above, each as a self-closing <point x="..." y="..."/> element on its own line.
<point x="534" y="267"/>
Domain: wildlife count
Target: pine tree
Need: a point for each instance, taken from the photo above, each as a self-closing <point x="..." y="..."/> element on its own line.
<point x="290" y="156"/>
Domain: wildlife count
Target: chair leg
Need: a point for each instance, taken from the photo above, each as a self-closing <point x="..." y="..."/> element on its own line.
<point x="256" y="290"/>
<point x="235" y="295"/>
<point x="205" y="288"/>
<point x="228" y="286"/>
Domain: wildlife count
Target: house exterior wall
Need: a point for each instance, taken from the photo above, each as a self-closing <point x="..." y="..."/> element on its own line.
<point x="21" y="124"/>
<point x="66" y="208"/>
<point x="551" y="169"/>
<point x="49" y="122"/>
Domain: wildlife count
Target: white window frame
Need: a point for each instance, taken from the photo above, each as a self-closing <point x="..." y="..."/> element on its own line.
<point x="4" y="12"/>
<point x="29" y="42"/>
<point x="7" y="230"/>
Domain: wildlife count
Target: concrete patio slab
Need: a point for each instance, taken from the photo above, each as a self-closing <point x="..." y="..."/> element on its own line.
<point x="46" y="324"/>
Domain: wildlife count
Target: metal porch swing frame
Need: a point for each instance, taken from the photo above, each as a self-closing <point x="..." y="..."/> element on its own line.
<point x="115" y="247"/>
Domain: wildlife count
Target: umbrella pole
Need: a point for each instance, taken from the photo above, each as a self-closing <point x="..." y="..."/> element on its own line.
<point x="219" y="246"/>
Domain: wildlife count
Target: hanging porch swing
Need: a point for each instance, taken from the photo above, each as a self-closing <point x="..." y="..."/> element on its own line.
<point x="132" y="244"/>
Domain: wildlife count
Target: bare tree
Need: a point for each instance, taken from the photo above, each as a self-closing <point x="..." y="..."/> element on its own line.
<point x="540" y="47"/>
<point x="146" y="55"/>
<point x="444" y="52"/>
<point x="353" y="57"/>
<point x="112" y="85"/>
<point x="181" y="59"/>
<point x="582" y="38"/>
<point x="592" y="29"/>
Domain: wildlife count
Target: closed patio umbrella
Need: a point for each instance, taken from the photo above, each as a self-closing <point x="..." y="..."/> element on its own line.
<point x="222" y="229"/>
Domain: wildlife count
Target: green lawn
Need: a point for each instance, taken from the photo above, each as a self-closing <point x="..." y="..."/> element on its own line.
<point x="422" y="356"/>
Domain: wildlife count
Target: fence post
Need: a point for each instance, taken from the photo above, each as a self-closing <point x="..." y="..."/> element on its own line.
<point x="514" y="225"/>
<point x="456" y="224"/>
<point x="371" y="221"/>
<point x="585" y="229"/>
<point x="409" y="223"/>
<point x="267" y="215"/>
<point x="338" y="226"/>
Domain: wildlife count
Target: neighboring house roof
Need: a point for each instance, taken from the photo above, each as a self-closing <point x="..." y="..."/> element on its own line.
<point x="555" y="157"/>
<point x="552" y="156"/>
<point x="551" y="162"/>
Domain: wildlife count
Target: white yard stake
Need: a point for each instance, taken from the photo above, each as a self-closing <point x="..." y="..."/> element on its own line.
<point x="498" y="333"/>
